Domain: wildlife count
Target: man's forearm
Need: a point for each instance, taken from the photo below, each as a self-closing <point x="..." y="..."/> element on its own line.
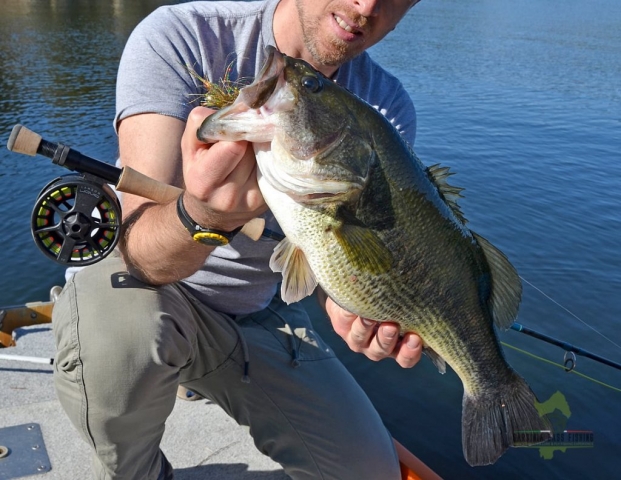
<point x="221" y="193"/>
<point x="157" y="248"/>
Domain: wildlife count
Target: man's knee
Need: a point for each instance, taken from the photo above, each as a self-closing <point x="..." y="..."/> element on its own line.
<point x="105" y="315"/>
<point x="119" y="353"/>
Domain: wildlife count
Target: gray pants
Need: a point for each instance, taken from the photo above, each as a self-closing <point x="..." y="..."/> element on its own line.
<point x="123" y="347"/>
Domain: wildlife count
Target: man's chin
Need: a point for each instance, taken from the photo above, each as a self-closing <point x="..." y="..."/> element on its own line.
<point x="334" y="54"/>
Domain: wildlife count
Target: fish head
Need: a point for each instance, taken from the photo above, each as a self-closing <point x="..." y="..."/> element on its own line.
<point x="308" y="138"/>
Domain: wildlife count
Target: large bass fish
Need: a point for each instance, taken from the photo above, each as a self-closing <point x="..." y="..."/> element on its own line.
<point x="382" y="236"/>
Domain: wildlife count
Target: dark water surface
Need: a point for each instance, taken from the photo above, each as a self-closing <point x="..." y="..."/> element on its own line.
<point x="521" y="98"/>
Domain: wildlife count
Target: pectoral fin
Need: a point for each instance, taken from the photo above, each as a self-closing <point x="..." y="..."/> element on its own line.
<point x="364" y="249"/>
<point x="298" y="280"/>
<point x="506" y="291"/>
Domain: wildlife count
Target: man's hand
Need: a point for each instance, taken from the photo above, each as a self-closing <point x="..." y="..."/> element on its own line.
<point x="220" y="179"/>
<point x="221" y="193"/>
<point x="376" y="341"/>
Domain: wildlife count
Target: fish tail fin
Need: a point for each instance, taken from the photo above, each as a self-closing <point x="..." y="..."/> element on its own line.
<point x="494" y="421"/>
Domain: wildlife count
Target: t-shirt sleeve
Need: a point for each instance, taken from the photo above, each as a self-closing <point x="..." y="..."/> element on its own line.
<point x="155" y="69"/>
<point x="401" y="113"/>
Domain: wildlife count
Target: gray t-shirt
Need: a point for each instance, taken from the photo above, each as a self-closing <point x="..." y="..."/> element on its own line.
<point x="207" y="37"/>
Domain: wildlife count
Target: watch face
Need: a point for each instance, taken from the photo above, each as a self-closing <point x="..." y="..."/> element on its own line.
<point x="211" y="238"/>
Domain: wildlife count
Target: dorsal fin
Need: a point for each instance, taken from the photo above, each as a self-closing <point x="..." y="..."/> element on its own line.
<point x="506" y="287"/>
<point x="298" y="280"/>
<point x="439" y="176"/>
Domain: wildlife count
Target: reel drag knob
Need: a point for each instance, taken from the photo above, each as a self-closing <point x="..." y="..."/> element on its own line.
<point x="76" y="221"/>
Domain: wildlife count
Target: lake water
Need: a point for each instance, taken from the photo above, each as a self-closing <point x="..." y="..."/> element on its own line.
<point x="521" y="98"/>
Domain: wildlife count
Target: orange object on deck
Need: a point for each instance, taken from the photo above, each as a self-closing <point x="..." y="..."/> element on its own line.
<point x="24" y="316"/>
<point x="412" y="468"/>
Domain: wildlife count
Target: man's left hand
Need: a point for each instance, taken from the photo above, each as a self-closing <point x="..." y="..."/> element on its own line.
<point x="376" y="340"/>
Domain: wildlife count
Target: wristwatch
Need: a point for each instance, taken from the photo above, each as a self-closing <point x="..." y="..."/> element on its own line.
<point x="206" y="236"/>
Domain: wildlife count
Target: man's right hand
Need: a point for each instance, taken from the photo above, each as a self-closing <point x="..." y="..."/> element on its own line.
<point x="222" y="193"/>
<point x="220" y="179"/>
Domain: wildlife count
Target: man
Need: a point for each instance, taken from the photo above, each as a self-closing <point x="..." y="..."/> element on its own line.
<point x="209" y="316"/>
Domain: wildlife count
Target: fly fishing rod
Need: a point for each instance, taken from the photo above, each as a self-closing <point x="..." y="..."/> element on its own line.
<point x="570" y="362"/>
<point x="77" y="218"/>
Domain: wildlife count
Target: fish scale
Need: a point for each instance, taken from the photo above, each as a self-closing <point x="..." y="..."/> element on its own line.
<point x="384" y="298"/>
<point x="383" y="237"/>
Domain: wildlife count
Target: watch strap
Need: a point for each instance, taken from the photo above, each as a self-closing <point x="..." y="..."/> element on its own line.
<point x="208" y="236"/>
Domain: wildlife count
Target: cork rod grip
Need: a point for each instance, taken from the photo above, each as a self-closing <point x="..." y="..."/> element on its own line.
<point x="23" y="141"/>
<point x="136" y="183"/>
<point x="127" y="180"/>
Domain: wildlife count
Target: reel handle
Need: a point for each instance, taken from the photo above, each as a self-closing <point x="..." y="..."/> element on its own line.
<point x="126" y="179"/>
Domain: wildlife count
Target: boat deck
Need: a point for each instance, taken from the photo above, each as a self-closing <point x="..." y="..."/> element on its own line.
<point x="200" y="441"/>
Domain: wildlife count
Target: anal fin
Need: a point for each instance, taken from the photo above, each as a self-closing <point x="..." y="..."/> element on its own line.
<point x="506" y="291"/>
<point x="435" y="358"/>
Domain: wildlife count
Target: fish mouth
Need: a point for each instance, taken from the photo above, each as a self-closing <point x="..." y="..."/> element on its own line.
<point x="311" y="189"/>
<point x="307" y="188"/>
<point x="336" y="192"/>
<point x="246" y="118"/>
<point x="322" y="198"/>
<point x="257" y="94"/>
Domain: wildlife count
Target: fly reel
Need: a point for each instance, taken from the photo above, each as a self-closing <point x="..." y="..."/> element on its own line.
<point x="76" y="220"/>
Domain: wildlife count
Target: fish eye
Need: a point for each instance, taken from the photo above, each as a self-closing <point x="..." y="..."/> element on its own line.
<point x="312" y="84"/>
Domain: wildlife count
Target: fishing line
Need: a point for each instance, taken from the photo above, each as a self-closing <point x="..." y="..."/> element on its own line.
<point x="561" y="366"/>
<point x="571" y="313"/>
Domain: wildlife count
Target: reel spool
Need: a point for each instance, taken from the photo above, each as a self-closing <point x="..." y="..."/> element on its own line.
<point x="76" y="220"/>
